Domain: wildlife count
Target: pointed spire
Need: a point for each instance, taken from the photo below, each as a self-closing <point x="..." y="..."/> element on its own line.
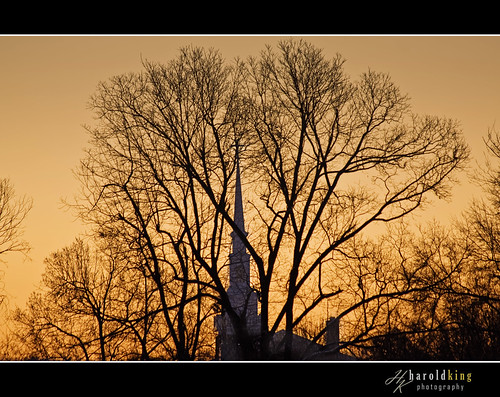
<point x="238" y="203"/>
<point x="242" y="297"/>
<point x="239" y="258"/>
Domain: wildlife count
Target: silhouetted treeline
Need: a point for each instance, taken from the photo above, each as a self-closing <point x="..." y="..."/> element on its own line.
<point x="460" y="319"/>
<point x="323" y="158"/>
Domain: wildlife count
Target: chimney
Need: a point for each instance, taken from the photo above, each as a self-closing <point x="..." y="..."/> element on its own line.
<point x="332" y="333"/>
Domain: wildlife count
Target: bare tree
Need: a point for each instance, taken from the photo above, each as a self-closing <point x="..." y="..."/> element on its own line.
<point x="162" y="131"/>
<point x="12" y="213"/>
<point x="92" y="306"/>
<point x="457" y="319"/>
<point x="475" y="298"/>
<point x="67" y="318"/>
<point x="336" y="157"/>
<point x="418" y="325"/>
<point x="322" y="159"/>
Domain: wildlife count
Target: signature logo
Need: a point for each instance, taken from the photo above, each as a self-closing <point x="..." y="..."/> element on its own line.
<point x="399" y="381"/>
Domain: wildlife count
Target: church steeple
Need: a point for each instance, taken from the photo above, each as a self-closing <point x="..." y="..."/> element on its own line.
<point x="239" y="265"/>
<point x="242" y="297"/>
<point x="239" y="290"/>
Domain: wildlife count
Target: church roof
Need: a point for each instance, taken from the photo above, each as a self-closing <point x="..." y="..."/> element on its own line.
<point x="304" y="349"/>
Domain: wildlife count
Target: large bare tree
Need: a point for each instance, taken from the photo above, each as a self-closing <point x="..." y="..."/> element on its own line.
<point x="322" y="158"/>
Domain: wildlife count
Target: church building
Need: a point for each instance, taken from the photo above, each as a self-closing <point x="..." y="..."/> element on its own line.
<point x="244" y="302"/>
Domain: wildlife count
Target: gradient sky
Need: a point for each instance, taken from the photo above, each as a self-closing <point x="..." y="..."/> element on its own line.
<point x="45" y="83"/>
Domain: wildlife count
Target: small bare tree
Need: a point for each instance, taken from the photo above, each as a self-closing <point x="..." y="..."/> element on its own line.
<point x="92" y="306"/>
<point x="13" y="211"/>
<point x="67" y="318"/>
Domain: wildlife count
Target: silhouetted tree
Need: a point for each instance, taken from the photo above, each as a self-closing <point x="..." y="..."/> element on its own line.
<point x="323" y="158"/>
<point x="475" y="305"/>
<point x="92" y="306"/>
<point x="419" y="326"/>
<point x="459" y="319"/>
<point x="68" y="318"/>
<point x="13" y="210"/>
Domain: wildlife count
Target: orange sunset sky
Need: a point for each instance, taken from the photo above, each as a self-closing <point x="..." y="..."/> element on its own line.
<point x="45" y="82"/>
